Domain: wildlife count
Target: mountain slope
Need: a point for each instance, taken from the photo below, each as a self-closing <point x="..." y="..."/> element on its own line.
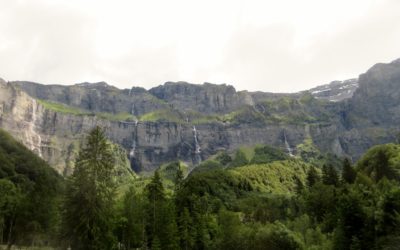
<point x="191" y="122"/>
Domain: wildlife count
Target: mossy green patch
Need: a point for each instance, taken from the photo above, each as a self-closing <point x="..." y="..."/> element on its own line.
<point x="62" y="108"/>
<point x="162" y="115"/>
<point x="123" y="116"/>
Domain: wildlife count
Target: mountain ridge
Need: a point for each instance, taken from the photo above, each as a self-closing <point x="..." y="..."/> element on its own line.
<point x="158" y="124"/>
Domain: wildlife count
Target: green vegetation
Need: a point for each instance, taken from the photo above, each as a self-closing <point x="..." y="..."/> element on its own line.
<point x="29" y="196"/>
<point x="162" y="115"/>
<point x="66" y="109"/>
<point x="116" y="117"/>
<point x="287" y="110"/>
<point x="62" y="108"/>
<point x="259" y="198"/>
<point x="88" y="207"/>
<point x="381" y="161"/>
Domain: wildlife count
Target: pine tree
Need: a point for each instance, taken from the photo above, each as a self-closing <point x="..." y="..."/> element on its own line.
<point x="186" y="230"/>
<point x="312" y="177"/>
<point x="299" y="186"/>
<point x="156" y="244"/>
<point x="382" y="168"/>
<point x="89" y="201"/>
<point x="178" y="178"/>
<point x="169" y="237"/>
<point x="156" y="202"/>
<point x="134" y="214"/>
<point x="348" y="172"/>
<point x="330" y="175"/>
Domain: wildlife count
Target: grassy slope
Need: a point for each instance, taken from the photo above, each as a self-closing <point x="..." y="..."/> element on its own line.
<point x="66" y="109"/>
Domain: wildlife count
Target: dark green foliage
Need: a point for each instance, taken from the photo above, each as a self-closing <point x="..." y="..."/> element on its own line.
<point x="178" y="178"/>
<point x="207" y="166"/>
<point x="351" y="222"/>
<point x="320" y="200"/>
<point x="186" y="230"/>
<point x="299" y="185"/>
<point x="89" y="201"/>
<point x="312" y="177"/>
<point x="215" y="187"/>
<point x="156" y="198"/>
<point x="239" y="160"/>
<point x="267" y="154"/>
<point x="273" y="204"/>
<point x="329" y="175"/>
<point x="348" y="172"/>
<point x="161" y="226"/>
<point x="381" y="161"/>
<point x="133" y="219"/>
<point x="30" y="195"/>
<point x="224" y="158"/>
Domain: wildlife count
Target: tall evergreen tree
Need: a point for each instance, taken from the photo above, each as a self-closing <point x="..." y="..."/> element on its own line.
<point x="178" y="177"/>
<point x="299" y="186"/>
<point x="186" y="230"/>
<point x="89" y="201"/>
<point x="312" y="177"/>
<point x="382" y="168"/>
<point x="156" y="202"/>
<point x="134" y="216"/>
<point x="348" y="172"/>
<point x="330" y="175"/>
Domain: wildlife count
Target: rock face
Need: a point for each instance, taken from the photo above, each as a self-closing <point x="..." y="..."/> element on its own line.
<point x="229" y="119"/>
<point x="336" y="91"/>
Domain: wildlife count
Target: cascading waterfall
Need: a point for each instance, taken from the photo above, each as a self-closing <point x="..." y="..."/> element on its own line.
<point x="197" y="149"/>
<point x="288" y="148"/>
<point x="34" y="138"/>
<point x="133" y="147"/>
<point x="130" y="91"/>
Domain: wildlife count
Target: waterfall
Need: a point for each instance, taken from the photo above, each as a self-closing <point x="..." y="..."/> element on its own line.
<point x="197" y="150"/>
<point x="133" y="147"/>
<point x="196" y="142"/>
<point x="34" y="138"/>
<point x="130" y="91"/>
<point x="288" y="148"/>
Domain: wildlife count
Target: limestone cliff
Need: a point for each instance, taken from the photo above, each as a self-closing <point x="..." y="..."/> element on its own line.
<point x="192" y="122"/>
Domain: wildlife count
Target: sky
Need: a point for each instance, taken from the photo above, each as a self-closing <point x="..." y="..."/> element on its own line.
<point x="269" y="45"/>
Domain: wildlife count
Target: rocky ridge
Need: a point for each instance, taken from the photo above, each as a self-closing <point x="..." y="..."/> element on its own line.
<point x="192" y="122"/>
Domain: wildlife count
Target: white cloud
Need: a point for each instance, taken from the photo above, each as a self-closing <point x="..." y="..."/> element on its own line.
<point x="285" y="45"/>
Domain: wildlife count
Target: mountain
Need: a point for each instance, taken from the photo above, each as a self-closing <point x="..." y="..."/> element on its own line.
<point x="192" y="122"/>
<point x="336" y="91"/>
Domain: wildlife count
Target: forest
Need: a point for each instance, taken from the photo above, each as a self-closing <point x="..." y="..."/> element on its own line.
<point x="232" y="201"/>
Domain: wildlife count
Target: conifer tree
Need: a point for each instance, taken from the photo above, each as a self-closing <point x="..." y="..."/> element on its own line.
<point x="134" y="215"/>
<point x="156" y="202"/>
<point x="186" y="230"/>
<point x="299" y="186"/>
<point x="348" y="172"/>
<point x="89" y="201"/>
<point x="330" y="175"/>
<point x="312" y="177"/>
<point x="178" y="177"/>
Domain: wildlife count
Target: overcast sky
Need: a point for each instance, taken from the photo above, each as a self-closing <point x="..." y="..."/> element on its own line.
<point x="278" y="46"/>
